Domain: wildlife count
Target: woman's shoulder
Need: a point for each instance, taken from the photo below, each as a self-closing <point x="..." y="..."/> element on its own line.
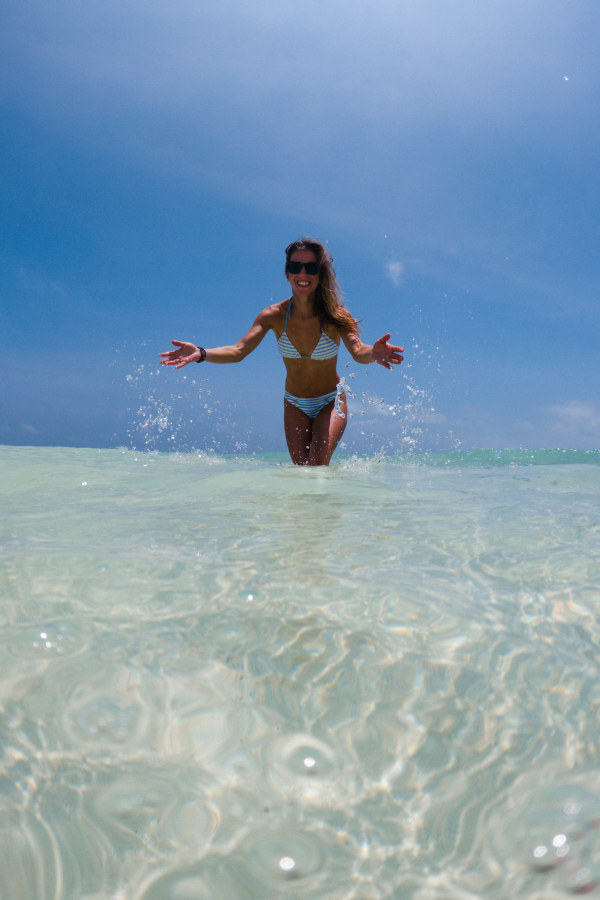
<point x="274" y="312"/>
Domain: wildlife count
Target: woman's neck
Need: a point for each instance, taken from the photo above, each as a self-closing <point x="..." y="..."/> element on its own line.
<point x="303" y="306"/>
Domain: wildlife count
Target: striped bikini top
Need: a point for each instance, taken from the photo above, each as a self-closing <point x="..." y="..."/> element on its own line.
<point x="325" y="349"/>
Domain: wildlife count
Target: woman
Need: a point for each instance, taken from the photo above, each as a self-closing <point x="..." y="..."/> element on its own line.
<point x="308" y="327"/>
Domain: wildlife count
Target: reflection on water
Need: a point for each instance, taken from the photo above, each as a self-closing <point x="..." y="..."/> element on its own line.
<point x="234" y="679"/>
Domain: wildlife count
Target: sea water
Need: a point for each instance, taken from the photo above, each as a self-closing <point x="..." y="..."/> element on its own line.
<point x="233" y="679"/>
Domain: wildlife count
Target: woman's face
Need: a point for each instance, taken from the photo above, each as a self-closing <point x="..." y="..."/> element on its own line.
<point x="302" y="284"/>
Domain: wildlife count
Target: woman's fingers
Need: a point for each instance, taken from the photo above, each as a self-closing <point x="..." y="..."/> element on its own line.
<point x="391" y="347"/>
<point x="179" y="357"/>
<point x="390" y="358"/>
<point x="178" y="344"/>
<point x="177" y="361"/>
<point x="389" y="354"/>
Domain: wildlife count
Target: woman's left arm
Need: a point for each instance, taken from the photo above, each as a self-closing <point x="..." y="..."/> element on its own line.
<point x="381" y="352"/>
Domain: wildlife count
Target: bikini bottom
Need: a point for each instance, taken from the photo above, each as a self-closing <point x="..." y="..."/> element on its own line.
<point x="310" y="406"/>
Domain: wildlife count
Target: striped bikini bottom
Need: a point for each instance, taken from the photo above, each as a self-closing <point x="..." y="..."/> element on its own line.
<point x="310" y="406"/>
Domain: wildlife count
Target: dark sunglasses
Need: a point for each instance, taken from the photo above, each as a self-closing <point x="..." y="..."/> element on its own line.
<point x="294" y="268"/>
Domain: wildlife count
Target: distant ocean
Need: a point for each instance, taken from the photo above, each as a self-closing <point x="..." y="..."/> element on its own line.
<point x="225" y="678"/>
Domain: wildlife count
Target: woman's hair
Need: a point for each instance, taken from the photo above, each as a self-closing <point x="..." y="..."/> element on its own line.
<point x="328" y="301"/>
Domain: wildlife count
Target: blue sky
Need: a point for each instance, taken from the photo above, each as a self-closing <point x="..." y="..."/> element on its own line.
<point x="156" y="159"/>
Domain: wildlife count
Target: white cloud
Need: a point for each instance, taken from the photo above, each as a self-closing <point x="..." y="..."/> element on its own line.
<point x="35" y="283"/>
<point x="576" y="425"/>
<point x="395" y="271"/>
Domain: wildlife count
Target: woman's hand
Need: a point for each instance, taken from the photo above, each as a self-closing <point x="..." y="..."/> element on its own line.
<point x="385" y="354"/>
<point x="185" y="353"/>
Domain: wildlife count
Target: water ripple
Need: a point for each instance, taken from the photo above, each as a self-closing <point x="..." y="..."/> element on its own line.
<point x="51" y="640"/>
<point x="235" y="681"/>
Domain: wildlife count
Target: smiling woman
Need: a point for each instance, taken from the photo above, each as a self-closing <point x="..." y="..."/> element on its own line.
<point x="308" y="326"/>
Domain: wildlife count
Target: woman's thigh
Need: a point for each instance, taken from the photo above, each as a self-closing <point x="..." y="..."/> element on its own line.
<point x="327" y="431"/>
<point x="298" y="433"/>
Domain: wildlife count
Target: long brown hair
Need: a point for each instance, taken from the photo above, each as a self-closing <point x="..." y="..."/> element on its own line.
<point x="328" y="302"/>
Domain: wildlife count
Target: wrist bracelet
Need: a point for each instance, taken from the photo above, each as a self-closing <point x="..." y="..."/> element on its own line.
<point x="202" y="355"/>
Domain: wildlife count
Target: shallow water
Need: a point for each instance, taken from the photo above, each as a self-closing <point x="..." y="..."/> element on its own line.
<point x="231" y="678"/>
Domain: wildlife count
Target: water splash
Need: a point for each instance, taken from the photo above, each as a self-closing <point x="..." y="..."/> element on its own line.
<point x="342" y="388"/>
<point x="168" y="414"/>
<point x="182" y="414"/>
<point x="408" y="425"/>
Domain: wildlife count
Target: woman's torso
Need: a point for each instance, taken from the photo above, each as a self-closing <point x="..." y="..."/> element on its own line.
<point x="306" y="376"/>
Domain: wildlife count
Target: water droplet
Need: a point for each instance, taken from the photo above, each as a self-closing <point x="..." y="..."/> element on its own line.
<point x="583" y="881"/>
<point x="134" y="802"/>
<point x="58" y="639"/>
<point x="283" y="854"/>
<point x="110" y="719"/>
<point x="304" y="766"/>
<point x="302" y="756"/>
<point x="545" y="828"/>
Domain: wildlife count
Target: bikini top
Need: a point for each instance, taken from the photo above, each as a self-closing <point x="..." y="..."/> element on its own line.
<point x="325" y="349"/>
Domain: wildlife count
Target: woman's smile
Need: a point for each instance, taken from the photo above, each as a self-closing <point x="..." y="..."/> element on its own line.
<point x="303" y="283"/>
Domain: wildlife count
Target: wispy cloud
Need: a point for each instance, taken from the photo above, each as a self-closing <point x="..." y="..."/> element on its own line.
<point x="395" y="272"/>
<point x="35" y="283"/>
<point x="576" y="424"/>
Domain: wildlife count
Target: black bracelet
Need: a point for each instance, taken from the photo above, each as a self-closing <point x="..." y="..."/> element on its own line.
<point x="202" y="354"/>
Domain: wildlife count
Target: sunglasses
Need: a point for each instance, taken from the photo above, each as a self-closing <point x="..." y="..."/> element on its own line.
<point x="294" y="268"/>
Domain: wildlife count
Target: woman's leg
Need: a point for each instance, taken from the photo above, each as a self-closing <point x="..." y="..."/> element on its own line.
<point x="327" y="431"/>
<point x="298" y="433"/>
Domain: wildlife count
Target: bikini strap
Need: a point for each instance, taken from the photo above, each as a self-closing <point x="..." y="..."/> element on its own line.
<point x="287" y="316"/>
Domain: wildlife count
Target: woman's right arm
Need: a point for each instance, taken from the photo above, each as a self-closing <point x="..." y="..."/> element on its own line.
<point x="187" y="353"/>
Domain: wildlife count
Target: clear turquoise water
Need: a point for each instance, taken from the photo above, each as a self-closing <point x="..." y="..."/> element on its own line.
<point x="230" y="678"/>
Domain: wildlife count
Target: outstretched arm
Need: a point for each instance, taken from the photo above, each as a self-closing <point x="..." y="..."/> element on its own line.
<point x="187" y="353"/>
<point x="381" y="352"/>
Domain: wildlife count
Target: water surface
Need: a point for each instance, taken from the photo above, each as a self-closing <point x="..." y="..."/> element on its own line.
<point x="231" y="678"/>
